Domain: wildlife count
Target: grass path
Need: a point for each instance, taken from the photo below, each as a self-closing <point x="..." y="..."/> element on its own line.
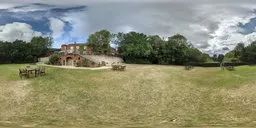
<point x="143" y="96"/>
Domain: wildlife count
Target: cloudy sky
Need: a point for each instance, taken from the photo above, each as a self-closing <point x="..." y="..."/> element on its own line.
<point x="213" y="26"/>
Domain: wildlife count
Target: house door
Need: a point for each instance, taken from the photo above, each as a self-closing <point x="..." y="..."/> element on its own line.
<point x="69" y="61"/>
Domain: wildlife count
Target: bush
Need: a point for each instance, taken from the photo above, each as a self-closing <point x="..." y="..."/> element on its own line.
<point x="230" y="68"/>
<point x="188" y="67"/>
<point x="85" y="63"/>
<point x="214" y="64"/>
<point x="54" y="59"/>
<point x="234" y="64"/>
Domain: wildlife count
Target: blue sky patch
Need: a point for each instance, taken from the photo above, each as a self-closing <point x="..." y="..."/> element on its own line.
<point x="249" y="27"/>
<point x="37" y="15"/>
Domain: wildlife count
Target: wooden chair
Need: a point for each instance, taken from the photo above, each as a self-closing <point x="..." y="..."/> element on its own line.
<point x="114" y="67"/>
<point x="23" y="72"/>
<point x="42" y="71"/>
<point x="37" y="72"/>
<point x="122" y="68"/>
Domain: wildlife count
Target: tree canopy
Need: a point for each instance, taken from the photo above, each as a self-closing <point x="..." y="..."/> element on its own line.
<point x="100" y="42"/>
<point x="24" y="52"/>
<point x="139" y="48"/>
<point x="243" y="54"/>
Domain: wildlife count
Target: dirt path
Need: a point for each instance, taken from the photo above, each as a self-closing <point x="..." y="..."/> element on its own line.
<point x="72" y="67"/>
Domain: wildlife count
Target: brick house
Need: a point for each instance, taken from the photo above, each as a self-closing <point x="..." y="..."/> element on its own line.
<point x="72" y="54"/>
<point x="81" y="55"/>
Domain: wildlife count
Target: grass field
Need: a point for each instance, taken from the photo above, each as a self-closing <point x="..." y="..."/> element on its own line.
<point x="143" y="96"/>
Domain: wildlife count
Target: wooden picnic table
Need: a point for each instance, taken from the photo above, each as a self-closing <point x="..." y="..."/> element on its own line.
<point x="32" y="70"/>
<point x="118" y="67"/>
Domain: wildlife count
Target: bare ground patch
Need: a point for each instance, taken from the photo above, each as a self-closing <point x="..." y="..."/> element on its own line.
<point x="12" y="98"/>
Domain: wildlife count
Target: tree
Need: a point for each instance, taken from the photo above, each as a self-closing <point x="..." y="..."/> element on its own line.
<point x="220" y="57"/>
<point x="81" y="48"/>
<point x="134" y="47"/>
<point x="41" y="45"/>
<point x="54" y="59"/>
<point x="249" y="54"/>
<point x="195" y="55"/>
<point x="24" y="52"/>
<point x="215" y="57"/>
<point x="100" y="42"/>
<point x="176" y="50"/>
<point x="239" y="50"/>
<point x="157" y="45"/>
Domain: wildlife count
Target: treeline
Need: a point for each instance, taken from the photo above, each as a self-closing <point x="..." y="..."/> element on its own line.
<point x="139" y="48"/>
<point x="133" y="47"/>
<point x="242" y="54"/>
<point x="25" y="52"/>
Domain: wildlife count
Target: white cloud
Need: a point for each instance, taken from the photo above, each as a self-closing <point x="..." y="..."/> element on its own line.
<point x="209" y="25"/>
<point x="6" y="6"/>
<point x="78" y="21"/>
<point x="228" y="34"/>
<point x="57" y="27"/>
<point x="16" y="30"/>
<point x="125" y="29"/>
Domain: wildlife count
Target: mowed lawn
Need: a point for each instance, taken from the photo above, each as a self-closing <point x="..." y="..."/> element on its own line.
<point x="143" y="96"/>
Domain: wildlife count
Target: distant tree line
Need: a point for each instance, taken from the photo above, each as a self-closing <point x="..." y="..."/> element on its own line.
<point x="133" y="47"/>
<point x="139" y="48"/>
<point x="25" y="52"/>
<point x="242" y="53"/>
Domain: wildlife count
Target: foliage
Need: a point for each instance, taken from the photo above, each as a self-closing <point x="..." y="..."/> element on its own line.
<point x="135" y="47"/>
<point x="24" y="52"/>
<point x="212" y="64"/>
<point x="140" y="48"/>
<point x="81" y="48"/>
<point x="54" y="59"/>
<point x="249" y="54"/>
<point x="220" y="58"/>
<point x="85" y="63"/>
<point x="100" y="42"/>
<point x="242" y="54"/>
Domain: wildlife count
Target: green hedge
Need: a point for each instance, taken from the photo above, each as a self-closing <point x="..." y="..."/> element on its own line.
<point x="216" y="64"/>
<point x="204" y="64"/>
<point x="234" y="64"/>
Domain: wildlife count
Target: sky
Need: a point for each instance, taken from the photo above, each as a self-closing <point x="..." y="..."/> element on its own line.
<point x="213" y="26"/>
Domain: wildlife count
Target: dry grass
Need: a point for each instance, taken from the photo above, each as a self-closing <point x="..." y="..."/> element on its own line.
<point x="142" y="96"/>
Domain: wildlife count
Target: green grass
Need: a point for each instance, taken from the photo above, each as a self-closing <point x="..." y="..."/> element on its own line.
<point x="142" y="96"/>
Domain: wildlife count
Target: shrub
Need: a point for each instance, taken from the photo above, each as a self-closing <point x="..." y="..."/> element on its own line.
<point x="234" y="64"/>
<point x="214" y="64"/>
<point x="188" y="67"/>
<point x="230" y="68"/>
<point x="85" y="63"/>
<point x="54" y="59"/>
